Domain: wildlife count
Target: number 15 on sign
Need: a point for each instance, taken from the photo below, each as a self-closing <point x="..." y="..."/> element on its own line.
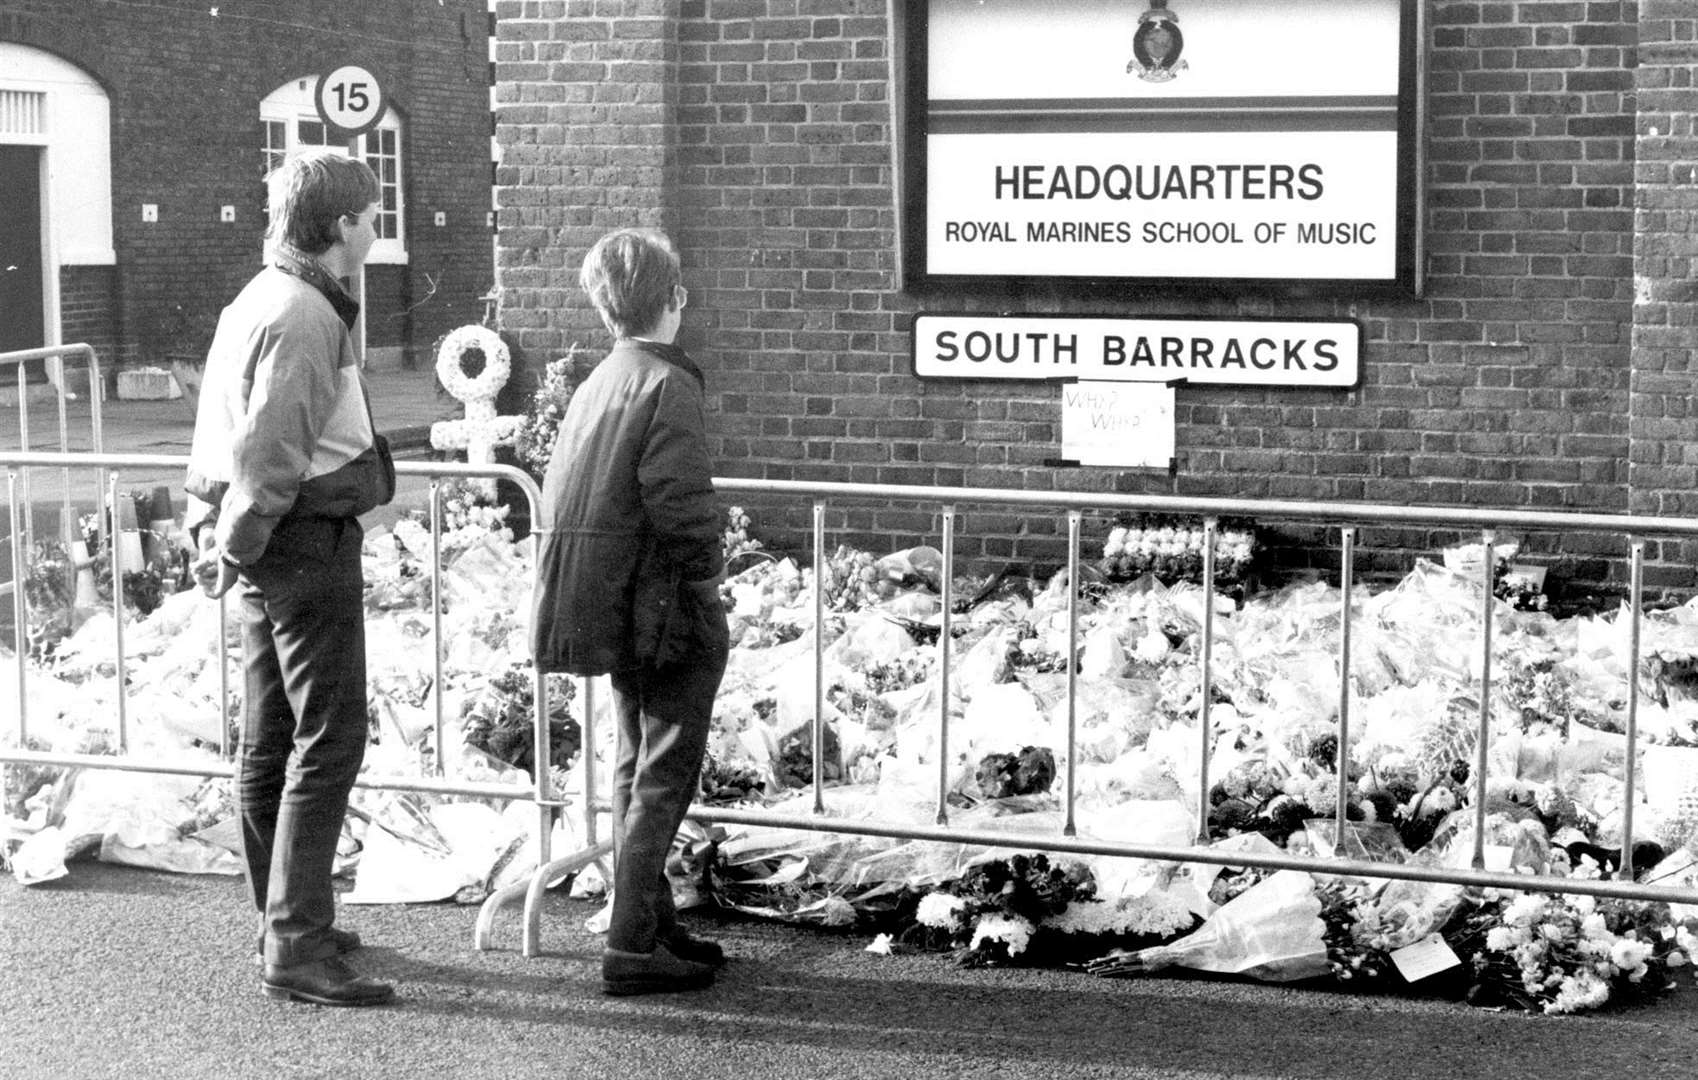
<point x="350" y="99"/>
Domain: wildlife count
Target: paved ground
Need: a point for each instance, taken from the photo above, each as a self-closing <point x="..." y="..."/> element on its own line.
<point x="119" y="972"/>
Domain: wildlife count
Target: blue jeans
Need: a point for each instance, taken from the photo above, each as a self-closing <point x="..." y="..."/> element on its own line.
<point x="303" y="726"/>
<point x="663" y="715"/>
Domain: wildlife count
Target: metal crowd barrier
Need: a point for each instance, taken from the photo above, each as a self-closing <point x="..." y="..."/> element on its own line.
<point x="1348" y="516"/>
<point x="111" y="466"/>
<point x="55" y="355"/>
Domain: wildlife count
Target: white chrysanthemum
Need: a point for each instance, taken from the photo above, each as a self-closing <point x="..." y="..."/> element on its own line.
<point x="940" y="910"/>
<point x="1592" y="926"/>
<point x="1525" y="908"/>
<point x="1155" y="912"/>
<point x="1578" y="993"/>
<point x="497" y="364"/>
<point x="1629" y="954"/>
<point x="1013" y="932"/>
<point x="1594" y="948"/>
<point x="1500" y="939"/>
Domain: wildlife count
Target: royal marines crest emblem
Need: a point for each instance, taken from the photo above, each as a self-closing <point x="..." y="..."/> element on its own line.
<point x="1156" y="45"/>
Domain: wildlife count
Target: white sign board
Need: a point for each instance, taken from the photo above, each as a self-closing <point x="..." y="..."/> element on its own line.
<point x="1164" y="205"/>
<point x="1124" y="424"/>
<point x="1216" y="352"/>
<point x="1102" y="140"/>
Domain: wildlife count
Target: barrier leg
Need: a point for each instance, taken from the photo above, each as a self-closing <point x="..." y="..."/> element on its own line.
<point x="532" y="891"/>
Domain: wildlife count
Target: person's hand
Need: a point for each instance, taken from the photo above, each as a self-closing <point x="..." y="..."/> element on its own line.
<point x="214" y="574"/>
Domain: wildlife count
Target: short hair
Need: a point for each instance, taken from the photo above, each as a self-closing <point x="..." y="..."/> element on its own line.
<point x="311" y="191"/>
<point x="630" y="275"/>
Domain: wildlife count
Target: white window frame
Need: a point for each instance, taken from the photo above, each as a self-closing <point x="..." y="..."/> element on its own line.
<point x="291" y="106"/>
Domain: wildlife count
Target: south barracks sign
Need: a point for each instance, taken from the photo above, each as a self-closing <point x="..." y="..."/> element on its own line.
<point x="1214" y="352"/>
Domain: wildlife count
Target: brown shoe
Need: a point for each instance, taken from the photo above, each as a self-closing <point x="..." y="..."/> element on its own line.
<point x="657" y="972"/>
<point x="686" y="946"/>
<point x="324" y="982"/>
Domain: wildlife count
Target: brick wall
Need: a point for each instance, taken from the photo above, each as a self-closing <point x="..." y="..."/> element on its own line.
<point x="185" y="85"/>
<point x="1663" y="461"/>
<point x="1518" y="380"/>
<point x="86" y="314"/>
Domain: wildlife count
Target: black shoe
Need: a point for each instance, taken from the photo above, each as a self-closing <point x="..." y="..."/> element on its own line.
<point x="657" y="972"/>
<point x="324" y="982"/>
<point x="345" y="941"/>
<point x="699" y="950"/>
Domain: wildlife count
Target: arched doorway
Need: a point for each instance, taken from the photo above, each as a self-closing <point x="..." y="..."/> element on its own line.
<point x="56" y="168"/>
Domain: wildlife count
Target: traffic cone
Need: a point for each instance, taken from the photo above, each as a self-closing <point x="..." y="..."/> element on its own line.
<point x="127" y="537"/>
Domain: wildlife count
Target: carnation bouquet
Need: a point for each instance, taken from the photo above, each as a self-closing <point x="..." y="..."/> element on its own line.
<point x="1172" y="550"/>
<point x="1561" y="953"/>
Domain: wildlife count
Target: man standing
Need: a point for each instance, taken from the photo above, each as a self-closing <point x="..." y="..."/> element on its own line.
<point x="284" y="459"/>
<point x="628" y="585"/>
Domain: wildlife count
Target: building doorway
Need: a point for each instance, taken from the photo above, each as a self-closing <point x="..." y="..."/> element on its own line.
<point x="22" y="302"/>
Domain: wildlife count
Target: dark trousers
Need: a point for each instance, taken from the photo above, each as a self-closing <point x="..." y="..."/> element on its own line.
<point x="303" y="726"/>
<point x="663" y="716"/>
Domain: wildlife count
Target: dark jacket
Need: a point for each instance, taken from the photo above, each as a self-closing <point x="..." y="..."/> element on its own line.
<point x="629" y="519"/>
<point x="284" y="425"/>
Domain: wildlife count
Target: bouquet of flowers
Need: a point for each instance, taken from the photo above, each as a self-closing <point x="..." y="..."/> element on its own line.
<point x="1172" y="550"/>
<point x="761" y="603"/>
<point x="469" y="513"/>
<point x="725" y="782"/>
<point x="48" y="590"/>
<point x="852" y="581"/>
<point x="1027" y="651"/>
<point x="1560" y="953"/>
<point x="1030" y="772"/>
<point x="498" y="719"/>
<point x="737" y="541"/>
<point x="534" y="443"/>
<point x="991" y="912"/>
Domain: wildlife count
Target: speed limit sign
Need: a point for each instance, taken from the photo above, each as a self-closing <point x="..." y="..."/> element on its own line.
<point x="350" y="99"/>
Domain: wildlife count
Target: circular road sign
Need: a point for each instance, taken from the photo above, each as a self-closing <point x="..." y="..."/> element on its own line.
<point x="350" y="99"/>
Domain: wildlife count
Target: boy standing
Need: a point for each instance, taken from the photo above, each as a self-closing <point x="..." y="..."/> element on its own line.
<point x="628" y="585"/>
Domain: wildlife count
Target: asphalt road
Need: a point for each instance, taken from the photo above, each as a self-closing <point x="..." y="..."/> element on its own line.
<point x="120" y="972"/>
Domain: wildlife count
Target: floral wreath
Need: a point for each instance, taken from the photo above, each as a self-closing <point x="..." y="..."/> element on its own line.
<point x="452" y="373"/>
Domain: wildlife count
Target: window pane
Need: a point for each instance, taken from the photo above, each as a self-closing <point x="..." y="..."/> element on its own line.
<point x="382" y="153"/>
<point x="276" y="144"/>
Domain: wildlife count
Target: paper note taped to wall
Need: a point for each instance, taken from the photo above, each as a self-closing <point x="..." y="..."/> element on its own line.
<point x="1117" y="423"/>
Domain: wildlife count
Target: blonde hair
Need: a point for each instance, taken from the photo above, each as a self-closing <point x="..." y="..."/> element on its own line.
<point x="630" y="276"/>
<point x="310" y="192"/>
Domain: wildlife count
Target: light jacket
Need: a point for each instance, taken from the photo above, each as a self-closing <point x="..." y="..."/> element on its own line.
<point x="284" y="424"/>
<point x="629" y="519"/>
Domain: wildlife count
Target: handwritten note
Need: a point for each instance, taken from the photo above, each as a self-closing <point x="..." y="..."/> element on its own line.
<point x="1424" y="958"/>
<point x="1117" y="423"/>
